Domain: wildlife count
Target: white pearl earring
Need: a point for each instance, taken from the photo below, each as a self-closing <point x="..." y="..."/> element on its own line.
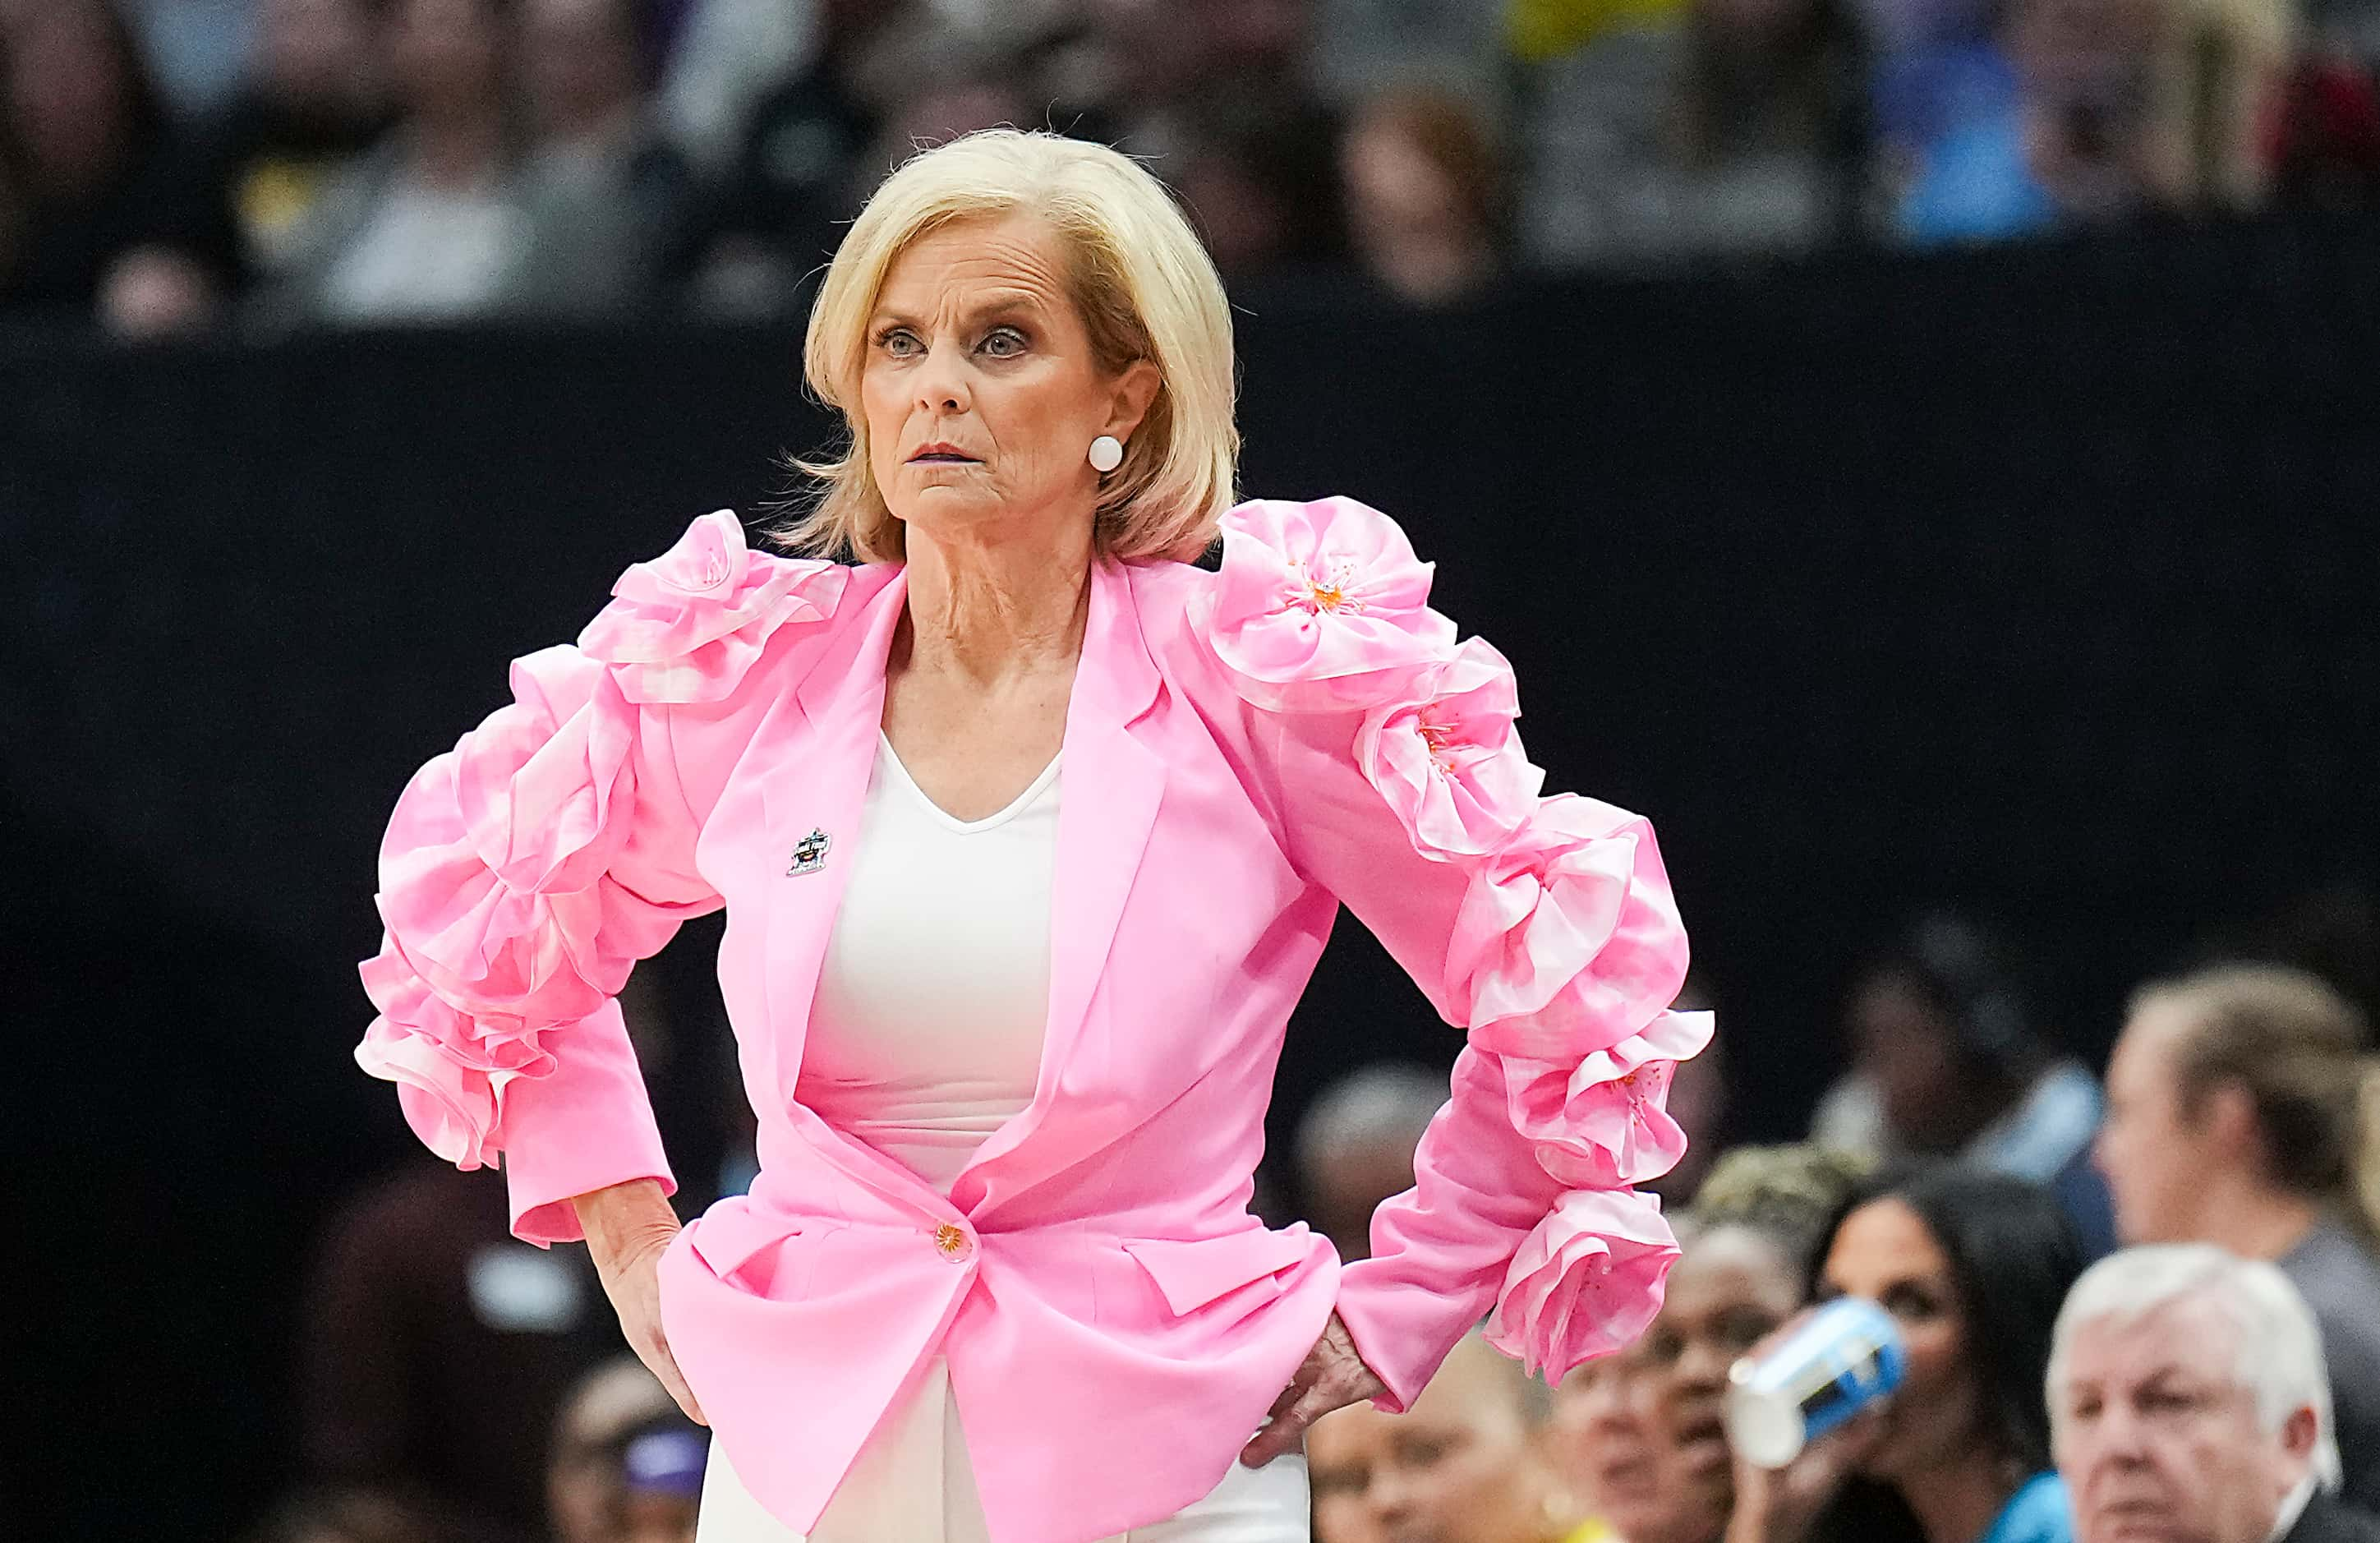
<point x="1107" y="454"/>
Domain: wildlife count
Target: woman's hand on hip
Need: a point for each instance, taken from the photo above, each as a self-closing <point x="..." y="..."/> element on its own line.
<point x="627" y="1227"/>
<point x="1332" y="1377"/>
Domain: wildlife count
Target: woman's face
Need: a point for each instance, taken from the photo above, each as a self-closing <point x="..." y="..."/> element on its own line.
<point x="1885" y="1252"/>
<point x="979" y="389"/>
<point x="448" y="56"/>
<point x="1645" y="1435"/>
<point x="1902" y="1040"/>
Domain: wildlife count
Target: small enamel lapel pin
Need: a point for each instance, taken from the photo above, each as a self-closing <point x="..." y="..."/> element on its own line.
<point x="810" y="855"/>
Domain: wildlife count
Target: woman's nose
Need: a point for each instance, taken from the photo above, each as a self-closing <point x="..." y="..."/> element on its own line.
<point x="1703" y="1365"/>
<point x="942" y="386"/>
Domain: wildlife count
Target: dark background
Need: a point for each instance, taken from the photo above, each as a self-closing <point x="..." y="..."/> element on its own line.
<point x="2040" y="580"/>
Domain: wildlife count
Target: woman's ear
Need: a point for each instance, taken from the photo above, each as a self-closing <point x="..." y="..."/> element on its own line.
<point x="1134" y="389"/>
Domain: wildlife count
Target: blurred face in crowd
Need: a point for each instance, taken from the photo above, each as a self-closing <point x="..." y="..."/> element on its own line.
<point x="448" y="56"/>
<point x="2155" y="1154"/>
<point x="1883" y="1251"/>
<point x="1463" y="1465"/>
<point x="2157" y="1440"/>
<point x="1642" y="1432"/>
<point x="583" y="62"/>
<point x="321" y="52"/>
<point x="1902" y="1040"/>
<point x="70" y="96"/>
<point x="586" y="1489"/>
<point x="980" y="390"/>
<point x="1605" y="1435"/>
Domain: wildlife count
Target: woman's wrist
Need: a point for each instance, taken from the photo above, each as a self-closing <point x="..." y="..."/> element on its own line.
<point x="622" y="1218"/>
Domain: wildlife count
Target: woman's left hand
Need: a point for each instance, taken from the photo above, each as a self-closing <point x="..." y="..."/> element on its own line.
<point x="1332" y="1378"/>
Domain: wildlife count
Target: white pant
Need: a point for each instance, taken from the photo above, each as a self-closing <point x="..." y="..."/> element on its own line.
<point x="913" y="1483"/>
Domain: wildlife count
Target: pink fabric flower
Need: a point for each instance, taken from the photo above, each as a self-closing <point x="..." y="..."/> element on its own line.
<point x="450" y="1070"/>
<point x="1449" y="760"/>
<point x="1586" y="1281"/>
<point x="1322" y="605"/>
<point x="1568" y="939"/>
<point x="687" y="625"/>
<point x="501" y="917"/>
<point x="1604" y="1121"/>
<point x="489" y="869"/>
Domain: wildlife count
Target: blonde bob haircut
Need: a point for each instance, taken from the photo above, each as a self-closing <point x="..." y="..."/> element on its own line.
<point x="1141" y="281"/>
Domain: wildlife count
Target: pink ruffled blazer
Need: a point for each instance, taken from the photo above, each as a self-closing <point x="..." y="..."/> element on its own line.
<point x="1245" y="751"/>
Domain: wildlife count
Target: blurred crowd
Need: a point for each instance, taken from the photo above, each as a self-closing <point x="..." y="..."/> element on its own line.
<point x="2136" y="1302"/>
<point x="170" y="166"/>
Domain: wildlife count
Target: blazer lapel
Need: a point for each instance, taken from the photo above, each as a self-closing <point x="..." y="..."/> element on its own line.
<point x="813" y="794"/>
<point x="1110" y="786"/>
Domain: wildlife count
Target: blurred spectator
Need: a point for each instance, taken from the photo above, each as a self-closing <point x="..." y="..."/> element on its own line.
<point x="605" y="194"/>
<point x="1947" y="1062"/>
<point x="1640" y="1433"/>
<point x="199" y="48"/>
<point x="729" y="55"/>
<point x="1356" y="1148"/>
<point x="83" y="137"/>
<point x="1467" y="1463"/>
<point x="2188" y="1400"/>
<point x="1219" y="96"/>
<point x="795" y="177"/>
<point x="1974" y="1267"/>
<point x="1949" y="125"/>
<point x="587" y="1477"/>
<point x="436" y="1346"/>
<point x="1425" y="196"/>
<point x="2149" y="106"/>
<point x="1735" y="127"/>
<point x="315" y="101"/>
<point x="2237" y="1117"/>
<point x="431" y="225"/>
<point x="662" y="1470"/>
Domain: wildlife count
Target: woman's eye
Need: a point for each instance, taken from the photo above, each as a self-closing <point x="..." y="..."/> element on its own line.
<point x="1006" y="343"/>
<point x="1908" y="1302"/>
<point x="898" y="342"/>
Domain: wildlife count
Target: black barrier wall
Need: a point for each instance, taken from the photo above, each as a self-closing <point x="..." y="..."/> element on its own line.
<point x="2040" y="580"/>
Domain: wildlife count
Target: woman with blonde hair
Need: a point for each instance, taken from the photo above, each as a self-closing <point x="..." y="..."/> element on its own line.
<point x="1029" y="832"/>
<point x="2240" y="1112"/>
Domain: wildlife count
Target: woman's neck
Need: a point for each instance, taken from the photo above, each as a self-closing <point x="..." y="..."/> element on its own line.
<point x="990" y="611"/>
<point x="1958" y="1502"/>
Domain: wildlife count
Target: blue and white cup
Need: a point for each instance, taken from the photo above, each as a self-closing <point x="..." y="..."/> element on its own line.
<point x="1833" y="1363"/>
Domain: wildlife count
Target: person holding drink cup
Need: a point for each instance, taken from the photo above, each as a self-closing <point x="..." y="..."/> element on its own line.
<point x="1939" y="1292"/>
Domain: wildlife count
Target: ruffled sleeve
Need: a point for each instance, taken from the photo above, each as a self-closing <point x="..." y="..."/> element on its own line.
<point x="526" y="870"/>
<point x="1544" y="927"/>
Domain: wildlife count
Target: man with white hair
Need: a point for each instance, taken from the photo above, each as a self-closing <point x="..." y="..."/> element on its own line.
<point x="2189" y="1403"/>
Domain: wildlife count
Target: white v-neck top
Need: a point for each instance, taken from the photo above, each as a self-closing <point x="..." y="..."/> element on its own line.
<point x="926" y="1034"/>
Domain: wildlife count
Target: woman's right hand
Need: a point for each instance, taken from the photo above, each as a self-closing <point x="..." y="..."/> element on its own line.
<point x="627" y="1227"/>
<point x="1782" y="1505"/>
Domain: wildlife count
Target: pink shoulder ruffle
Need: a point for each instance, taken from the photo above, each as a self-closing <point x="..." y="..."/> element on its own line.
<point x="1586" y="1281"/>
<point x="1322" y="605"/>
<point x="1568" y="939"/>
<point x="500" y="918"/>
<point x="687" y="625"/>
<point x="1447" y="758"/>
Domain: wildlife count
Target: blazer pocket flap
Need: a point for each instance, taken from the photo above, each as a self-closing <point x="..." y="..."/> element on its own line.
<point x="1191" y="1274"/>
<point x="732" y="1231"/>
